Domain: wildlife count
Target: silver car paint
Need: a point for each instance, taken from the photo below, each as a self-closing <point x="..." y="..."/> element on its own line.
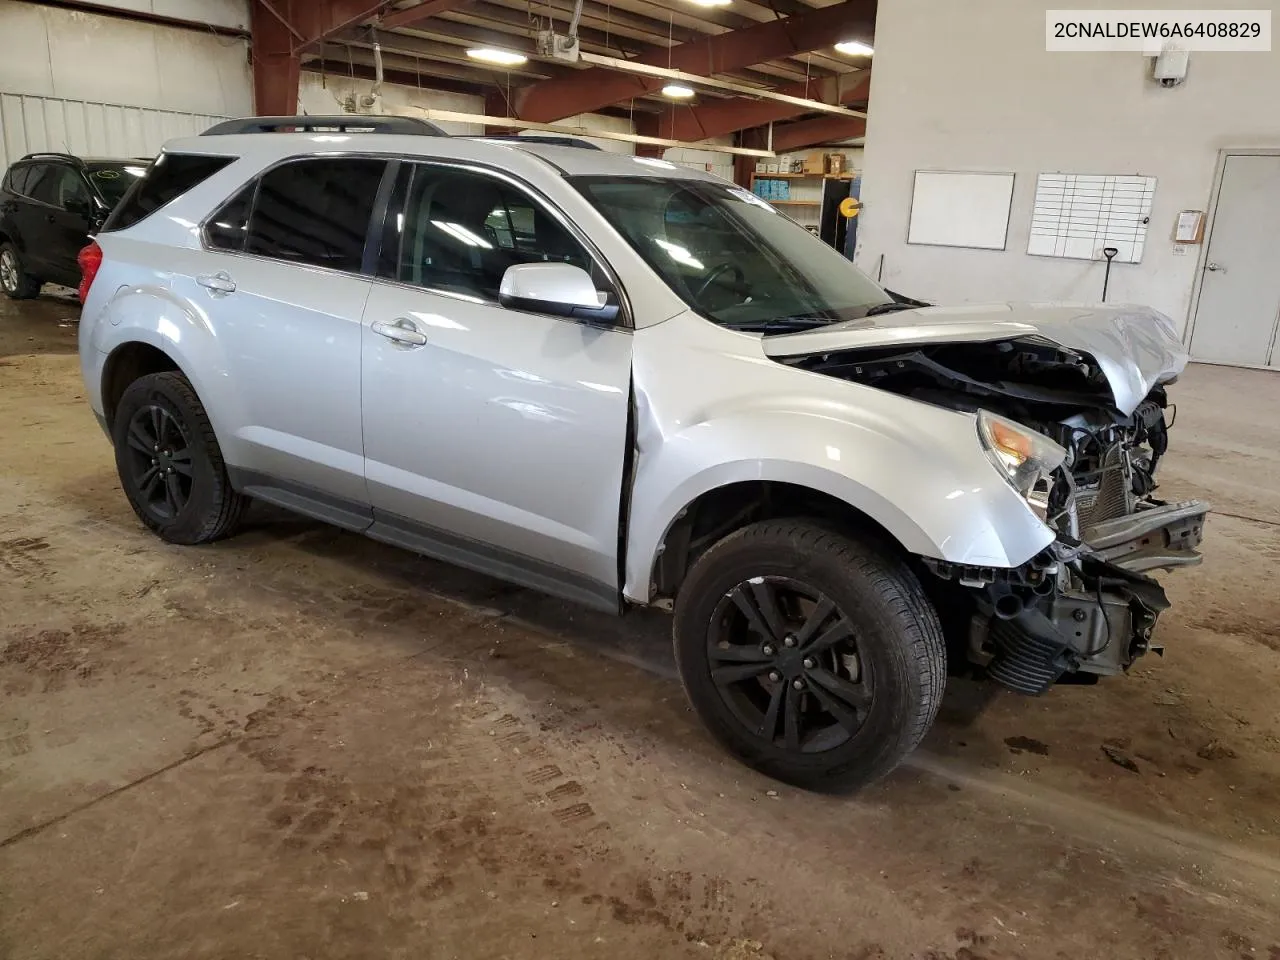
<point x="1135" y="346"/>
<point x="508" y="392"/>
<point x="506" y="428"/>
<point x="713" y="409"/>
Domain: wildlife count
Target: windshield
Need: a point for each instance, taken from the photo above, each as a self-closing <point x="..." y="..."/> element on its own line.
<point x="732" y="257"/>
<point x="113" y="180"/>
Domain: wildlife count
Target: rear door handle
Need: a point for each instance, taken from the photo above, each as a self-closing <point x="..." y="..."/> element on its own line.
<point x="401" y="330"/>
<point x="219" y="282"/>
<point x="1215" y="267"/>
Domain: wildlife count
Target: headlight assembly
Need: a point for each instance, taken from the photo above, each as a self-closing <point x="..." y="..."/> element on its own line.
<point x="1020" y="454"/>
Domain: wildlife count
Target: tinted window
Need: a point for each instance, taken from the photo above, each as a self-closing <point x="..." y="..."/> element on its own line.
<point x="171" y="175"/>
<point x="113" y="180"/>
<point x="316" y="211"/>
<point x="43" y="182"/>
<point x="73" y="192"/>
<point x="15" y="180"/>
<point x="226" y="229"/>
<point x="731" y="256"/>
<point x="460" y="231"/>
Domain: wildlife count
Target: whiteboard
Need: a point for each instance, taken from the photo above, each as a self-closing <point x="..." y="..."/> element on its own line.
<point x="951" y="208"/>
<point x="1078" y="216"/>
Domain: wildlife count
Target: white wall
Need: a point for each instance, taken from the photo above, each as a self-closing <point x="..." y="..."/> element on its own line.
<point x="969" y="86"/>
<point x="325" y="94"/>
<point x="99" y="84"/>
<point x="721" y="164"/>
<point x="69" y="55"/>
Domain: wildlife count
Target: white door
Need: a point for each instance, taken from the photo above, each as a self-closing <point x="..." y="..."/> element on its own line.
<point x="1240" y="294"/>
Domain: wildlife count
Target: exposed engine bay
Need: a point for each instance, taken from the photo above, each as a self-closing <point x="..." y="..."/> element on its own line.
<point x="1085" y="606"/>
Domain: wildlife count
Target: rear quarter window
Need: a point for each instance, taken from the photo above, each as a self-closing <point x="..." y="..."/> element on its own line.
<point x="168" y="177"/>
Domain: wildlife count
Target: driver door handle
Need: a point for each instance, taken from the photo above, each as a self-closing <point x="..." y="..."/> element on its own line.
<point x="401" y="330"/>
<point x="219" y="282"/>
<point x="1215" y="267"/>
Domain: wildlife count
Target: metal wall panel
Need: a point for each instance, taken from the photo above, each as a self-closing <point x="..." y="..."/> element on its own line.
<point x="30" y="124"/>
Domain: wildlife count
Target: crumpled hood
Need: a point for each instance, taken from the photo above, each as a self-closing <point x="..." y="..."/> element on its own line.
<point x="1135" y="346"/>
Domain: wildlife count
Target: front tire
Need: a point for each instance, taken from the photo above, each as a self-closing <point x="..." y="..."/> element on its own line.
<point x="170" y="464"/>
<point x="812" y="657"/>
<point x="16" y="283"/>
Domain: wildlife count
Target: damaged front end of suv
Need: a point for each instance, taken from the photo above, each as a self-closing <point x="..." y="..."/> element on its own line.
<point x="1073" y="409"/>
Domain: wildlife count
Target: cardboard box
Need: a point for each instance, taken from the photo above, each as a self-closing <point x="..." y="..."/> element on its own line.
<point x="761" y="166"/>
<point x="814" y="163"/>
<point x="836" y="165"/>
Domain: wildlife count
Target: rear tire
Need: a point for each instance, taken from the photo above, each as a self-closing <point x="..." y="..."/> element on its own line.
<point x="170" y="464"/>
<point x="814" y="658"/>
<point x="16" y="283"/>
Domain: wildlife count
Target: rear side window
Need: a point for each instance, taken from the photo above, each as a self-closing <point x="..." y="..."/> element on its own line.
<point x="316" y="211"/>
<point x="171" y="175"/>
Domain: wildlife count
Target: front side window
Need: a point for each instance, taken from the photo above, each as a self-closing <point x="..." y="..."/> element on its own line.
<point x="168" y="177"/>
<point x="458" y="231"/>
<point x="315" y="211"/>
<point x="731" y="256"/>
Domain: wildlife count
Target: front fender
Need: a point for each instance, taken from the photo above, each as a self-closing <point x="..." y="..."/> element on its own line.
<point x="921" y="475"/>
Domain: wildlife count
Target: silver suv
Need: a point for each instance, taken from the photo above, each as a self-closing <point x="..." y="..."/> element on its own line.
<point x="628" y="383"/>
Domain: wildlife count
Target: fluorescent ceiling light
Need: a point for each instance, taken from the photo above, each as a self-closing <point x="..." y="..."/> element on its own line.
<point x="710" y="3"/>
<point x="503" y="58"/>
<point x="854" y="48"/>
<point x="677" y="91"/>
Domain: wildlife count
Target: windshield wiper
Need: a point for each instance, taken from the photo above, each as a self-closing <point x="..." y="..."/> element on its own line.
<point x="891" y="307"/>
<point x="781" y="324"/>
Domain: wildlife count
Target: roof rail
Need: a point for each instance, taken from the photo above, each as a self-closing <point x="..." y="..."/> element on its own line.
<point x="48" y="153"/>
<point x="543" y="138"/>
<point x="342" y="123"/>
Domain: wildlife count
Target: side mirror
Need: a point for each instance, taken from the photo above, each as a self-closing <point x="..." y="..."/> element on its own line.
<point x="559" y="289"/>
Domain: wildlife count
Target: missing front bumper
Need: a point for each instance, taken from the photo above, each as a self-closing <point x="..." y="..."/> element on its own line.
<point x="1081" y="610"/>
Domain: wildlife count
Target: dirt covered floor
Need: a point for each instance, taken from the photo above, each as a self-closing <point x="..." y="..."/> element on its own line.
<point x="299" y="743"/>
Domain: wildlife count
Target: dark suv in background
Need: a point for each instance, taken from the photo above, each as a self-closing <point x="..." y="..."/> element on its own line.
<point x="49" y="205"/>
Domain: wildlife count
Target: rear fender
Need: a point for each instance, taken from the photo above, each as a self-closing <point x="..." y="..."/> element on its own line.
<point x="153" y="315"/>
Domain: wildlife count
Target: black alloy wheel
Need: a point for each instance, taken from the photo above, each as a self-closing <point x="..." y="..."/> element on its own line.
<point x="811" y="655"/>
<point x="170" y="463"/>
<point x="786" y="661"/>
<point x="159" y="457"/>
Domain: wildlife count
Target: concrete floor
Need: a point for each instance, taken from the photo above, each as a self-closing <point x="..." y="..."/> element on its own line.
<point x="299" y="743"/>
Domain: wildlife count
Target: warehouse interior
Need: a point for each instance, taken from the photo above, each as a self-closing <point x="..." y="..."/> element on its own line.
<point x="298" y="742"/>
